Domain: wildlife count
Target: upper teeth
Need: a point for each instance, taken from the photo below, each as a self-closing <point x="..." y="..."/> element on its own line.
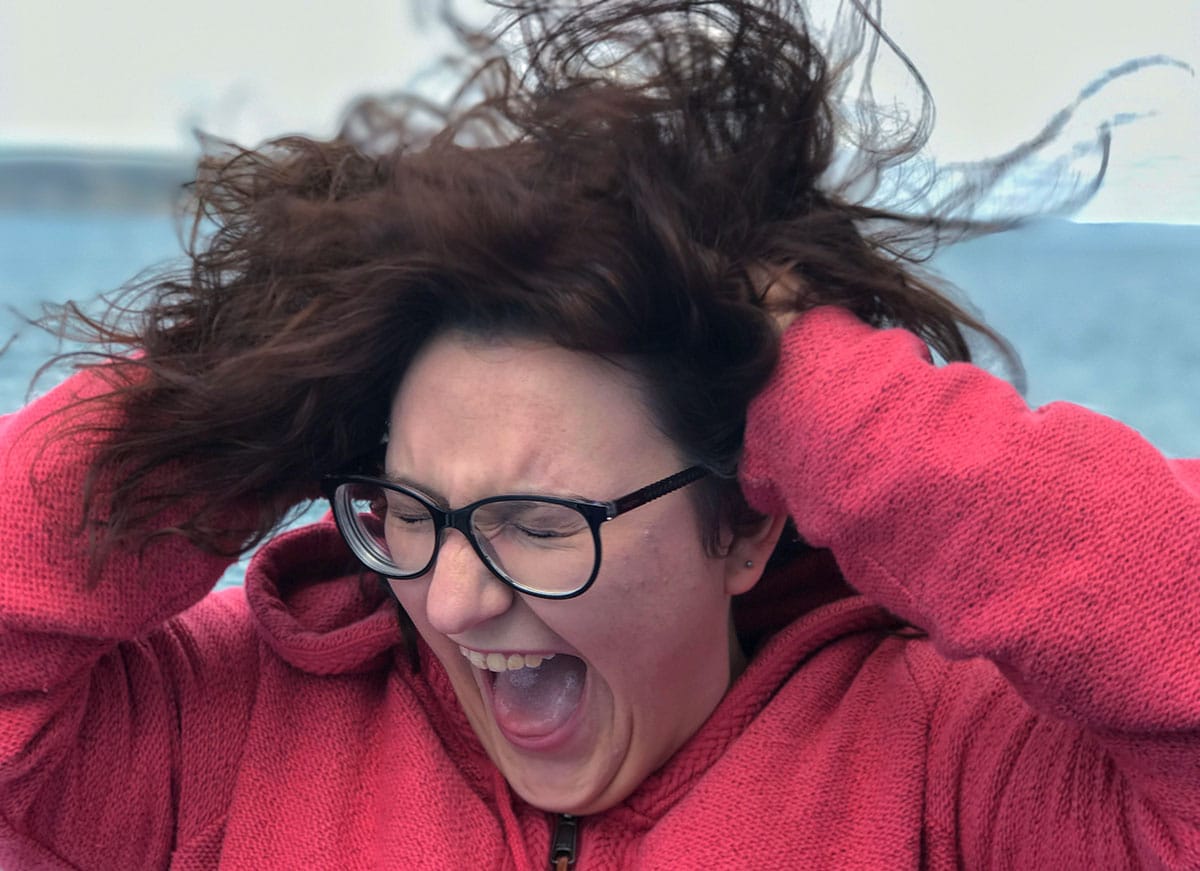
<point x="500" y="662"/>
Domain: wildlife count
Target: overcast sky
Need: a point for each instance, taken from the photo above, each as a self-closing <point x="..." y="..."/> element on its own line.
<point x="142" y="74"/>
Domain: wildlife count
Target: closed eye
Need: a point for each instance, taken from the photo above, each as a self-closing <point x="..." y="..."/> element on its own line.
<point x="544" y="533"/>
<point x="410" y="519"/>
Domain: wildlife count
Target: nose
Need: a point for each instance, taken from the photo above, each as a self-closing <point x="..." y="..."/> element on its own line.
<point x="462" y="591"/>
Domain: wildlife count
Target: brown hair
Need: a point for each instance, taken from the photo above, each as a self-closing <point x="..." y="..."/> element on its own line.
<point x="608" y="177"/>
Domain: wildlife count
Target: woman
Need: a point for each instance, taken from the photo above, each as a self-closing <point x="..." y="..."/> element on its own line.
<point x="566" y="362"/>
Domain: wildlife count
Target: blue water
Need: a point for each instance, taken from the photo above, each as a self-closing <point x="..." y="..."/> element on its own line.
<point x="56" y="256"/>
<point x="1104" y="315"/>
<point x="1107" y="316"/>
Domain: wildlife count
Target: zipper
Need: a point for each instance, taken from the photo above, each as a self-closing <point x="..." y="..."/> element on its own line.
<point x="564" y="843"/>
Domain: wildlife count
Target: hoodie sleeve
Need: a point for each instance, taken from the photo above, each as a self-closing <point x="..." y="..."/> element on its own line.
<point x="1056" y="543"/>
<point x="98" y="681"/>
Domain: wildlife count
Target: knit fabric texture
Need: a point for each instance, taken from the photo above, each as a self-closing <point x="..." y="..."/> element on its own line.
<point x="1012" y="682"/>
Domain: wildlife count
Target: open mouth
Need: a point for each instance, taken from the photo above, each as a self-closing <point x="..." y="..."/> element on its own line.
<point x="535" y="698"/>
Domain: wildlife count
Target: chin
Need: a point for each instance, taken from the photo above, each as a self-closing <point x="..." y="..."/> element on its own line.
<point x="577" y="799"/>
<point x="565" y="784"/>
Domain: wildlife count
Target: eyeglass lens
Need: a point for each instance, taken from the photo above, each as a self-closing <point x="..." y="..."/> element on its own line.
<point x="539" y="545"/>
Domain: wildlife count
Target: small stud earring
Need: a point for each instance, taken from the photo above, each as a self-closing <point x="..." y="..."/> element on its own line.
<point x="749" y="563"/>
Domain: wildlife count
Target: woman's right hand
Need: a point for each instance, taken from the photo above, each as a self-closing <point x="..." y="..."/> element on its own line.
<point x="782" y="293"/>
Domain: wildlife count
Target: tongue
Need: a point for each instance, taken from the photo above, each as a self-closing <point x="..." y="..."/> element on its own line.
<point x="531" y="702"/>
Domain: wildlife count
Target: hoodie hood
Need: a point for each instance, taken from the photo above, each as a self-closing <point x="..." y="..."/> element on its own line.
<point x="316" y="607"/>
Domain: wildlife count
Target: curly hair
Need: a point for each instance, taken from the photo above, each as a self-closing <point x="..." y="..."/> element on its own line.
<point x="609" y="177"/>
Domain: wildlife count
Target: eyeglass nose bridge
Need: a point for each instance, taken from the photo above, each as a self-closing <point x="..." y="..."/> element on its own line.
<point x="460" y="519"/>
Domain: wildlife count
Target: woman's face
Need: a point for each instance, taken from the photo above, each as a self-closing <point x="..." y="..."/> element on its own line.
<point x="640" y="659"/>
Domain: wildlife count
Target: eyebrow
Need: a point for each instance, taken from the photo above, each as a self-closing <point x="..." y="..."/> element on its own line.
<point x="429" y="493"/>
<point x="435" y="496"/>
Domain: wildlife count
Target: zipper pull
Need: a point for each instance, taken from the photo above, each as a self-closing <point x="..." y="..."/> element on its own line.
<point x="564" y="842"/>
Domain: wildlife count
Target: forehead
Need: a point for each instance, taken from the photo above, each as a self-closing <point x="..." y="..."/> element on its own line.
<point x="475" y="416"/>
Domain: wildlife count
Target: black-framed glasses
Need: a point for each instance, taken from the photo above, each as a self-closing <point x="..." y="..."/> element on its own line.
<point x="541" y="545"/>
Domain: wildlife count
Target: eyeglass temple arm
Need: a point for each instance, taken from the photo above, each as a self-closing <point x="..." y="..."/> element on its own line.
<point x="653" y="491"/>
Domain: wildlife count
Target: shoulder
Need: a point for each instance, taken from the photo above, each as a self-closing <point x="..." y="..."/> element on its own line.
<point x="217" y="629"/>
<point x="210" y="653"/>
<point x="874" y="671"/>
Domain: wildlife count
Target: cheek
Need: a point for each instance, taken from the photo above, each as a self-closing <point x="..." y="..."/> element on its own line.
<point x="411" y="596"/>
<point x="657" y="607"/>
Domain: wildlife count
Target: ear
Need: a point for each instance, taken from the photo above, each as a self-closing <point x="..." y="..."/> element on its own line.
<point x="748" y="554"/>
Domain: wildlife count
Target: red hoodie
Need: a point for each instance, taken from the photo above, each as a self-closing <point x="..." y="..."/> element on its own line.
<point x="1047" y="716"/>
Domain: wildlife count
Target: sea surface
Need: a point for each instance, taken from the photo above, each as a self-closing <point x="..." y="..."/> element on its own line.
<point x="1104" y="315"/>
